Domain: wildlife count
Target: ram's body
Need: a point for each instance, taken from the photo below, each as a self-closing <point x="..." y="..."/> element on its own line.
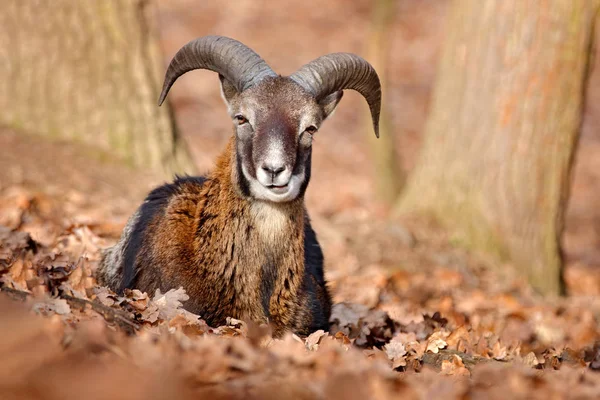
<point x="254" y="260"/>
<point x="239" y="240"/>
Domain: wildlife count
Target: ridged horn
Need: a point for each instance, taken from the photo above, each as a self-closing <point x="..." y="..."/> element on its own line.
<point x="239" y="64"/>
<point x="339" y="71"/>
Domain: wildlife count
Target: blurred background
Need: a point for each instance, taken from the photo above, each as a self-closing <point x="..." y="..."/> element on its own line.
<point x="509" y="140"/>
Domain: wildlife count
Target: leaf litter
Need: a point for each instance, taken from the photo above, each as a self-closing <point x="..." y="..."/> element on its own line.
<point x="426" y="332"/>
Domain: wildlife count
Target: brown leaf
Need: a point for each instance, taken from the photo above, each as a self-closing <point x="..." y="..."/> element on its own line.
<point x="81" y="242"/>
<point x="170" y="302"/>
<point x="531" y="360"/>
<point x="150" y="313"/>
<point x="106" y="296"/>
<point x="458" y="338"/>
<point x="312" y="341"/>
<point x="137" y="299"/>
<point x="455" y="367"/>
<point x="396" y="353"/>
<point x="345" y="315"/>
<point x="52" y="304"/>
<point x="436" y="342"/>
<point x="343" y="339"/>
<point x="18" y="274"/>
<point x="189" y="327"/>
<point x="499" y="352"/>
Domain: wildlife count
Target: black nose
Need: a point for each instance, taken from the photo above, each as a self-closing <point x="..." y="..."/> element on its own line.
<point x="274" y="170"/>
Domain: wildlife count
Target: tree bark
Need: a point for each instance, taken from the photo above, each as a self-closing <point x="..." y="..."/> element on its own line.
<point x="389" y="177"/>
<point x="499" y="143"/>
<point x="89" y="71"/>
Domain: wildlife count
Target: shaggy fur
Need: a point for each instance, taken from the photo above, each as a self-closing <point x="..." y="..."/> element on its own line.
<point x="235" y="256"/>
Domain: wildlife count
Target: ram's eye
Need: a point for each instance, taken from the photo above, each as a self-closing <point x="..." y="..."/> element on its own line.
<point x="241" y="120"/>
<point x="311" y="129"/>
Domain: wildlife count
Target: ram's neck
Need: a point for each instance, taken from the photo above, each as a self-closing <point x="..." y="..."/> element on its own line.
<point x="273" y="221"/>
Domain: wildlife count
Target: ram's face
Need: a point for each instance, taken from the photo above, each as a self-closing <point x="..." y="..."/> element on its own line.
<point x="275" y="123"/>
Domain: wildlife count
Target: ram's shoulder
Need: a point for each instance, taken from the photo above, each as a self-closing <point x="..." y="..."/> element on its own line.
<point x="166" y="205"/>
<point x="179" y="198"/>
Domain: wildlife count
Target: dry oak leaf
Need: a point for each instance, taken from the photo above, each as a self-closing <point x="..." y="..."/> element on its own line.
<point x="80" y="280"/>
<point x="106" y="296"/>
<point x="531" y="360"/>
<point x="232" y="327"/>
<point x="137" y="299"/>
<point x="411" y="344"/>
<point x="52" y="304"/>
<point x="343" y="340"/>
<point x="312" y="341"/>
<point x="499" y="352"/>
<point x="18" y="274"/>
<point x="81" y="241"/>
<point x="436" y="342"/>
<point x="189" y="326"/>
<point x="170" y="302"/>
<point x="347" y="314"/>
<point x="396" y="352"/>
<point x="455" y="367"/>
<point x="151" y="313"/>
<point x="459" y="337"/>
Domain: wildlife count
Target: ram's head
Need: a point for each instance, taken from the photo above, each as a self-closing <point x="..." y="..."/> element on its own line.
<point x="275" y="117"/>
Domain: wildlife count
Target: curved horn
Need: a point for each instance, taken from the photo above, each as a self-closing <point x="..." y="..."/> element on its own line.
<point x="239" y="64"/>
<point x="338" y="71"/>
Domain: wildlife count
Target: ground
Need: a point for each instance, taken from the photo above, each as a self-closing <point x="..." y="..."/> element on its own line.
<point x="414" y="315"/>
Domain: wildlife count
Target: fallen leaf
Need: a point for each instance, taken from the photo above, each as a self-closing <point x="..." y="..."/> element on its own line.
<point x="435" y="343"/>
<point x="52" y="304"/>
<point x="170" y="302"/>
<point x="312" y="341"/>
<point x="189" y="327"/>
<point x="347" y="314"/>
<point x="499" y="352"/>
<point x="458" y="338"/>
<point x="396" y="353"/>
<point x="151" y="313"/>
<point x="455" y="367"/>
<point x="137" y="299"/>
<point x="531" y="360"/>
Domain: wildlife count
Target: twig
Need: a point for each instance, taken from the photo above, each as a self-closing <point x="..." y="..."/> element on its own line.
<point x="14" y="293"/>
<point x="109" y="314"/>
<point x="436" y="359"/>
<point x="567" y="356"/>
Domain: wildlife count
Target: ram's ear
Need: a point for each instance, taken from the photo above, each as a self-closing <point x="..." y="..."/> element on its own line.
<point x="228" y="91"/>
<point x="330" y="102"/>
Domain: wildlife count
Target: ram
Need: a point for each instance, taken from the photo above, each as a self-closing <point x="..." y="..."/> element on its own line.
<point x="239" y="240"/>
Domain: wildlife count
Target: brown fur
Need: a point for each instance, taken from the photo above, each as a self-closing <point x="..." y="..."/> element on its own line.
<point x="229" y="252"/>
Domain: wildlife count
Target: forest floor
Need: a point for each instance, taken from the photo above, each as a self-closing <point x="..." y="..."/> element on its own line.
<point x="413" y="316"/>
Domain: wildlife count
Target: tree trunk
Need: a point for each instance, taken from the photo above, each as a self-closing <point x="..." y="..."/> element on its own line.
<point x="89" y="71"/>
<point x="499" y="143"/>
<point x="388" y="174"/>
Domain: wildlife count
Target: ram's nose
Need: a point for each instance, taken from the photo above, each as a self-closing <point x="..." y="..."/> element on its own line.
<point x="273" y="170"/>
<point x="274" y="175"/>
